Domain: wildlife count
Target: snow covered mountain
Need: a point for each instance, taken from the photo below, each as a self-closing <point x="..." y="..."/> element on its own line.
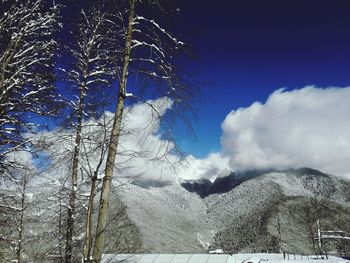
<point x="170" y="218"/>
<point x="239" y="212"/>
<point x="222" y="184"/>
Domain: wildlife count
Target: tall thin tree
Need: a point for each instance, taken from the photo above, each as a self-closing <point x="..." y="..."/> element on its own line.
<point x="92" y="54"/>
<point x="148" y="52"/>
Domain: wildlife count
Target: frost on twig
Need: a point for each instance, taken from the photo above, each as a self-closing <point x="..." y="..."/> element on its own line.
<point x="27" y="50"/>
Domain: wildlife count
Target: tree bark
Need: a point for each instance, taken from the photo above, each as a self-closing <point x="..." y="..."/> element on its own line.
<point x="8" y="56"/>
<point x="21" y="222"/>
<point x="74" y="177"/>
<point x="88" y="228"/>
<point x="112" y="151"/>
<point x="279" y="235"/>
<point x="60" y="227"/>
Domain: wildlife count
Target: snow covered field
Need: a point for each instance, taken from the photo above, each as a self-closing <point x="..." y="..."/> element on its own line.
<point x="276" y="258"/>
<point x="215" y="258"/>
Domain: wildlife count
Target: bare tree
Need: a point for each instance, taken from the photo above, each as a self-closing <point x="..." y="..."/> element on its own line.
<point x="27" y="50"/>
<point x="14" y="205"/>
<point x="100" y="146"/>
<point x="92" y="54"/>
<point x="148" y="52"/>
<point x="279" y="237"/>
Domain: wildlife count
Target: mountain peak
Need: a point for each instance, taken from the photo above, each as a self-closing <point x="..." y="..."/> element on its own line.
<point x="227" y="180"/>
<point x="223" y="183"/>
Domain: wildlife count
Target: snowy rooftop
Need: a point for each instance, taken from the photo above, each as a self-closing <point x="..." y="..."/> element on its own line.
<point x="211" y="258"/>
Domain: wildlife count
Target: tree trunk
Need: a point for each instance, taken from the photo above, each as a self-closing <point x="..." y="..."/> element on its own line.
<point x="319" y="235"/>
<point x="311" y="233"/>
<point x="74" y="177"/>
<point x="60" y="227"/>
<point x="8" y="56"/>
<point x="107" y="179"/>
<point x="112" y="151"/>
<point x="279" y="235"/>
<point x="88" y="228"/>
<point x="21" y="222"/>
<point x="88" y="239"/>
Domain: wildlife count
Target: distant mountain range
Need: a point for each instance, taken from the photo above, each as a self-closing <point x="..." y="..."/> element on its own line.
<point x="221" y="184"/>
<point x="240" y="212"/>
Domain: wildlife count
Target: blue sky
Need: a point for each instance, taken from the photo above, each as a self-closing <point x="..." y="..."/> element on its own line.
<point x="250" y="48"/>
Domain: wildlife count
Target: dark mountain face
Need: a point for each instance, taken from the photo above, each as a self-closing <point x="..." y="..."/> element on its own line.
<point x="224" y="184"/>
<point x="200" y="187"/>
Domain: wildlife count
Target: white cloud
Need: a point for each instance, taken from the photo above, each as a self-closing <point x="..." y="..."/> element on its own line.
<point x="306" y="127"/>
<point x="141" y="147"/>
<point x="152" y="164"/>
<point x="208" y="168"/>
<point x="143" y="153"/>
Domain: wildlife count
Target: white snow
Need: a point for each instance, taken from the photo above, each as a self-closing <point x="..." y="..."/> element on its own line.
<point x="214" y="258"/>
<point x="216" y="251"/>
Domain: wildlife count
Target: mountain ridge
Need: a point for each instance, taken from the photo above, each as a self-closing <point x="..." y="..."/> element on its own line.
<point x="224" y="184"/>
<point x="173" y="219"/>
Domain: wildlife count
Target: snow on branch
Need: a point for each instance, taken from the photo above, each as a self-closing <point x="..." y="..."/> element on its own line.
<point x="156" y="25"/>
<point x="27" y="49"/>
<point x="137" y="43"/>
<point x="11" y="207"/>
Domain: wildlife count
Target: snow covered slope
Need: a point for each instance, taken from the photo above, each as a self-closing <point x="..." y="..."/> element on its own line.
<point x="170" y="218"/>
<point x="174" y="220"/>
<point x="247" y="215"/>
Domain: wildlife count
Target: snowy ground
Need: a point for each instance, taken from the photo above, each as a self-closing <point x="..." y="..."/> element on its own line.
<point x="216" y="258"/>
<point x="275" y="258"/>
